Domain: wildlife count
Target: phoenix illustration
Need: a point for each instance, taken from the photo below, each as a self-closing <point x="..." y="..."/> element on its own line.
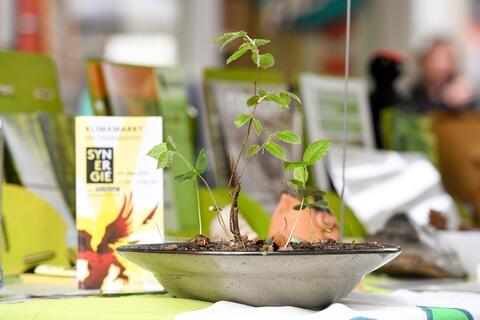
<point x="101" y="259"/>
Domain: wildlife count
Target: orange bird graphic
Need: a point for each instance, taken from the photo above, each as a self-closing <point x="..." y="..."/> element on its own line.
<point x="100" y="260"/>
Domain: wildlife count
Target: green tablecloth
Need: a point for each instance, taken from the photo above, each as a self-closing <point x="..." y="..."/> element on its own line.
<point x="137" y="307"/>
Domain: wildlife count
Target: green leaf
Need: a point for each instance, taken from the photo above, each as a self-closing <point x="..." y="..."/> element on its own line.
<point x="310" y="192"/>
<point x="298" y="207"/>
<point x="260" y="42"/>
<point x="285" y="97"/>
<point x="296" y="182"/>
<point x="157" y="150"/>
<point x="266" y="60"/>
<point x="292" y="185"/>
<point x="277" y="99"/>
<point x="232" y="38"/>
<point x="220" y="38"/>
<point x="262" y="92"/>
<point x="288" y="137"/>
<point x="186" y="176"/>
<point x="227" y="36"/>
<point x="316" y="151"/>
<point x="241" y="119"/>
<point x="237" y="54"/>
<point x="292" y="165"/>
<point x="253" y="150"/>
<point x="171" y="144"/>
<point x="253" y="100"/>
<point x="291" y="95"/>
<point x="275" y="149"/>
<point x="321" y="204"/>
<point x="301" y="174"/>
<point x="201" y="165"/>
<point x="257" y="125"/>
<point x="165" y="160"/>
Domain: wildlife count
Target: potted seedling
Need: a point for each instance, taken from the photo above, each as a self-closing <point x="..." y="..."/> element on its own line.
<point x="258" y="271"/>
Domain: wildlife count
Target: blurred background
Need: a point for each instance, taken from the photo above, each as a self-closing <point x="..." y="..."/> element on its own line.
<point x="306" y="35"/>
<point x="414" y="65"/>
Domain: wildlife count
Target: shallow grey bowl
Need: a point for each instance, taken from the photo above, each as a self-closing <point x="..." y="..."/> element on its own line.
<point x="282" y="278"/>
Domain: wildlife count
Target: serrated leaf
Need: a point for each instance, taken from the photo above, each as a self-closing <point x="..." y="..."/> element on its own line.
<point x="316" y="151"/>
<point x="300" y="174"/>
<point x="237" y="54"/>
<point x="288" y="136"/>
<point x="266" y="60"/>
<point x="201" y="165"/>
<point x="186" y="176"/>
<point x="170" y="144"/>
<point x="241" y="119"/>
<point x="260" y="42"/>
<point x="292" y="165"/>
<point x="294" y="96"/>
<point x="157" y="150"/>
<point x="298" y="207"/>
<point x="253" y="100"/>
<point x="257" y="125"/>
<point x="253" y="150"/>
<point x="165" y="160"/>
<point x="275" y="150"/>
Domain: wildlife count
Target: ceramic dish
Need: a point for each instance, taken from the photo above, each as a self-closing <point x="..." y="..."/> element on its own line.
<point x="282" y="278"/>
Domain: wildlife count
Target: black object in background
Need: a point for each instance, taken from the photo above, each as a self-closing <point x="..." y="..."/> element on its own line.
<point x="385" y="68"/>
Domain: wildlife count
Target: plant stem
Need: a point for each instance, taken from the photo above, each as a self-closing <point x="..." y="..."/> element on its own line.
<point x="217" y="207"/>
<point x="295" y="224"/>
<point x="251" y="159"/>
<point x="198" y="207"/>
<point x="222" y="223"/>
<point x="234" y="228"/>
<point x="247" y="134"/>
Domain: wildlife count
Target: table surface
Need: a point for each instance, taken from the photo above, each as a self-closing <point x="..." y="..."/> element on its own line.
<point x="41" y="298"/>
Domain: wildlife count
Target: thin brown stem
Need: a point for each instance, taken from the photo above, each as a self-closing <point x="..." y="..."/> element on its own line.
<point x="247" y="135"/>
<point x="234" y="228"/>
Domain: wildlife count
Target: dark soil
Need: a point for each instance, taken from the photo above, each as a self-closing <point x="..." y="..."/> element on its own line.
<point x="202" y="243"/>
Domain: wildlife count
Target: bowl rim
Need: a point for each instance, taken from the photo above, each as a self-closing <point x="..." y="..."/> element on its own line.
<point x="146" y="248"/>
